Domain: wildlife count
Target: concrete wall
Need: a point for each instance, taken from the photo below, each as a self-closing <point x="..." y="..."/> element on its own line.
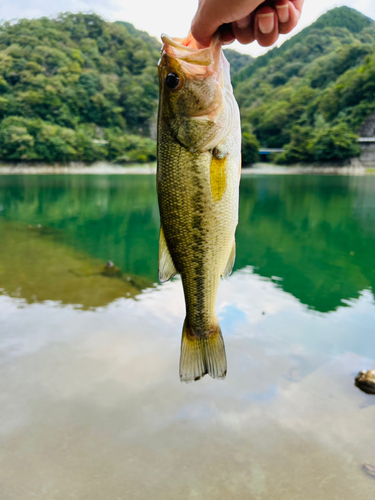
<point x="368" y="127"/>
<point x="367" y="157"/>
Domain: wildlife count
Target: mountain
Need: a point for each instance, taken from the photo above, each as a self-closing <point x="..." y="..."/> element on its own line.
<point x="77" y="88"/>
<point x="312" y="94"/>
<point x="237" y="60"/>
<point x="338" y="17"/>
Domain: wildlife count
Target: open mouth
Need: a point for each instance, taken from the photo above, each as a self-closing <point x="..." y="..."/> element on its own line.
<point x="187" y="50"/>
<point x="187" y="43"/>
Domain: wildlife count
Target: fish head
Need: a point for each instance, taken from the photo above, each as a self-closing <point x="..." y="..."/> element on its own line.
<point x="193" y="87"/>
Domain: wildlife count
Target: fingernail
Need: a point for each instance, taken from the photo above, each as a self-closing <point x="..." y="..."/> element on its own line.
<point x="243" y="23"/>
<point x="266" y="23"/>
<point x="283" y="13"/>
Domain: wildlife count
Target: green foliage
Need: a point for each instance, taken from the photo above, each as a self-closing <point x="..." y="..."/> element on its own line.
<point x="15" y="142"/>
<point x="298" y="148"/>
<point x="340" y="20"/>
<point x="72" y="80"/>
<point x="79" y="88"/>
<point x="333" y="143"/>
<point x="328" y="69"/>
<point x="237" y="60"/>
<point x="249" y="147"/>
<point x="344" y="17"/>
<point x="34" y="139"/>
<point x="130" y="148"/>
<point x="322" y="143"/>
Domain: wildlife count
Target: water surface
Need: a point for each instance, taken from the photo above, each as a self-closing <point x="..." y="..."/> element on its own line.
<point x="91" y="403"/>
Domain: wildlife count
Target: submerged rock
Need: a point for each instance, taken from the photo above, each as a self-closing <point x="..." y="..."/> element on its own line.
<point x="365" y="380"/>
<point x="369" y="469"/>
<point x="111" y="270"/>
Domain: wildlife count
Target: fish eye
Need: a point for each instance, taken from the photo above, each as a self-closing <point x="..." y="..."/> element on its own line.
<point x="172" y="81"/>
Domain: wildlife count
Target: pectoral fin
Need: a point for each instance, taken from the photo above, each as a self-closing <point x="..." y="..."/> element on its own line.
<point x="166" y="267"/>
<point x="220" y="152"/>
<point x="230" y="263"/>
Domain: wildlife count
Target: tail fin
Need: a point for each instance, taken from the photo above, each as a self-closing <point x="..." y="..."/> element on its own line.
<point x="202" y="355"/>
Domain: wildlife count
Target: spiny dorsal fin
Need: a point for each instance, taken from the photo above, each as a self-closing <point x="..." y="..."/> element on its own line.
<point x="166" y="267"/>
<point x="232" y="257"/>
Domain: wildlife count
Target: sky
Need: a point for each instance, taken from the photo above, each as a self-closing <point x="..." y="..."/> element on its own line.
<point x="156" y="16"/>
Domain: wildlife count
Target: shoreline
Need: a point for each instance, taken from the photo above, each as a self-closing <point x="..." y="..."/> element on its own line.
<point x="102" y="168"/>
<point x="298" y="169"/>
<point x="99" y="168"/>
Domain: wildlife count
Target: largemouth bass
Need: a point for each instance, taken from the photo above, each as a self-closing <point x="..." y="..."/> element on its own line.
<point x="199" y="156"/>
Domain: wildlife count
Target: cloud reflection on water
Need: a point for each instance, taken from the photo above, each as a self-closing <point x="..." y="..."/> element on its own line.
<point x="96" y="394"/>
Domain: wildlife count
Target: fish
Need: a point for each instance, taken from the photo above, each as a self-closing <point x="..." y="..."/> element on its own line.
<point x="198" y="175"/>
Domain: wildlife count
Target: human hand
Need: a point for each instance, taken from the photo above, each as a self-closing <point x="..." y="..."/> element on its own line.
<point x="245" y="20"/>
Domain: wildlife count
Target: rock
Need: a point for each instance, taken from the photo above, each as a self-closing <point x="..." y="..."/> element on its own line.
<point x="111" y="270"/>
<point x="365" y="380"/>
<point x="369" y="469"/>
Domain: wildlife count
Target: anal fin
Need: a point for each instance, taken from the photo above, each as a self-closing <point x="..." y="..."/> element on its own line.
<point x="167" y="268"/>
<point x="232" y="257"/>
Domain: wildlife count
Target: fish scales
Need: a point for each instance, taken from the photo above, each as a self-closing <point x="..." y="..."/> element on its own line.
<point x="198" y="202"/>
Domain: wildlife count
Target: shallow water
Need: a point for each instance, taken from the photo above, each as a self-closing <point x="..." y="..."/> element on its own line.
<point x="91" y="403"/>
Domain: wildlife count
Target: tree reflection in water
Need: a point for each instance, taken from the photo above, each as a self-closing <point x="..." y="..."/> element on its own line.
<point x="314" y="234"/>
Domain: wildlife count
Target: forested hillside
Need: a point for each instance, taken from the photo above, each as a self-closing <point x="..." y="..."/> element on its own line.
<point x="315" y="91"/>
<point x="77" y="88"/>
<point x="237" y="60"/>
<point x="80" y="88"/>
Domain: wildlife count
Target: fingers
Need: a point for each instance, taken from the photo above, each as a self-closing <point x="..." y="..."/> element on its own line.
<point x="212" y="14"/>
<point x="226" y="34"/>
<point x="203" y="29"/>
<point x="267" y="22"/>
<point x="206" y="21"/>
<point x="245" y="20"/>
<point x="288" y="13"/>
<point x="263" y="25"/>
<point x="243" y="30"/>
<point x="266" y="26"/>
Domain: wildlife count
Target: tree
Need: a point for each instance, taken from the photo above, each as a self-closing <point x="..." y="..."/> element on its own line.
<point x="66" y="83"/>
<point x="333" y="143"/>
<point x="249" y="148"/>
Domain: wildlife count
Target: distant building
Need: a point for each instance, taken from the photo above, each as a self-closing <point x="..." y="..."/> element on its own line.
<point x="264" y="153"/>
<point x="367" y="141"/>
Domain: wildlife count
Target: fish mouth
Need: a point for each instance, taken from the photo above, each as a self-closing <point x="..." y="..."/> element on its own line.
<point x="188" y="51"/>
<point x="187" y="44"/>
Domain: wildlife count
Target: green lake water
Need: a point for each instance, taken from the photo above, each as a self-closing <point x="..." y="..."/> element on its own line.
<point x="91" y="402"/>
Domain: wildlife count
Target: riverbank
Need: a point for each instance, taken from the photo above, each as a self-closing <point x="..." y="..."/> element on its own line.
<point x="98" y="168"/>
<point x="103" y="168"/>
<point x="269" y="169"/>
